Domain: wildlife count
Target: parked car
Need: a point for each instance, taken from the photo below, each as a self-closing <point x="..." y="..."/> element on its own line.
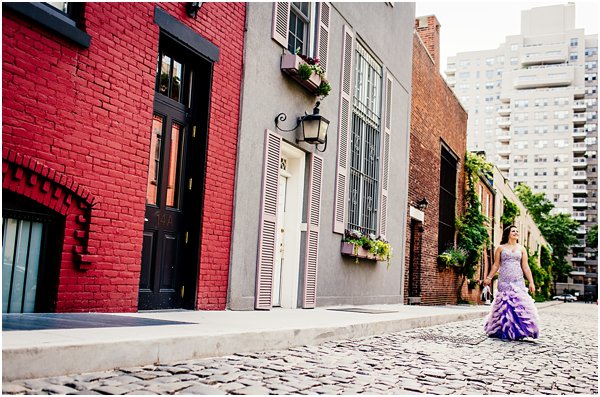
<point x="567" y="297"/>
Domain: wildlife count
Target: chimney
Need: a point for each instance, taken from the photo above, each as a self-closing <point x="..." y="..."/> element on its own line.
<point x="428" y="28"/>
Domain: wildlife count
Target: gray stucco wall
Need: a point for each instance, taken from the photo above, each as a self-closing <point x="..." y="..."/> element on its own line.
<point x="387" y="33"/>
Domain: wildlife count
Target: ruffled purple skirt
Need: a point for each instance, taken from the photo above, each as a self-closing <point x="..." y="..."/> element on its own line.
<point x="513" y="315"/>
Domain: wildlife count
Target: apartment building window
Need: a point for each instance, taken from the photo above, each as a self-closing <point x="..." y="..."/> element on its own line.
<point x="592" y="115"/>
<point x="500" y="59"/>
<point x="561" y="128"/>
<point x="540" y="129"/>
<point x="540" y="115"/>
<point x="540" y="144"/>
<point x="591" y="65"/>
<point x="365" y="143"/>
<point x="521" y="116"/>
<point x="560" y="158"/>
<point x="561" y="101"/>
<point x="521" y="144"/>
<point x="574" y="42"/>
<point x="521" y="103"/>
<point x="514" y="60"/>
<point x="573" y="56"/>
<point x="540" y="172"/>
<point x="541" y="102"/>
<point x="521" y="131"/>
<point x="540" y="158"/>
<point x="489" y="74"/>
<point x="591" y="51"/>
<point x="561" y="171"/>
<point x="464" y="75"/>
<point x="590" y="90"/>
<point x="464" y="63"/>
<point x="489" y="61"/>
<point x="540" y="185"/>
<point x="514" y="47"/>
<point x="520" y="172"/>
<point x="489" y="86"/>
<point x="561" y="185"/>
<point x="561" y="114"/>
<point x="561" y="143"/>
<point x="489" y="98"/>
<point x="520" y="159"/>
<point x="590" y="77"/>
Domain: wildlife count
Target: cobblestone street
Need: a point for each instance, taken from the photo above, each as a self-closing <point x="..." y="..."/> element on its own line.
<point x="456" y="358"/>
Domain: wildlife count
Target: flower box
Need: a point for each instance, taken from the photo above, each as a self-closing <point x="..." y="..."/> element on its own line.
<point x="349" y="249"/>
<point x="289" y="66"/>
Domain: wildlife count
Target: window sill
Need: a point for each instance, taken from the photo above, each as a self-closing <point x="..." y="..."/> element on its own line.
<point x="290" y="64"/>
<point x="348" y="249"/>
<point x="52" y="19"/>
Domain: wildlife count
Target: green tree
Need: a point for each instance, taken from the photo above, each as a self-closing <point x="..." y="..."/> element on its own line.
<point x="537" y="204"/>
<point x="473" y="235"/>
<point x="592" y="237"/>
<point x="559" y="230"/>
<point x="541" y="276"/>
<point x="511" y="211"/>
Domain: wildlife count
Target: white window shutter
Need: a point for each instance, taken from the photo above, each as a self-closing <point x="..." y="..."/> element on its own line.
<point x="268" y="221"/>
<point x="345" y="124"/>
<point x="385" y="155"/>
<point x="313" y="218"/>
<point x="323" y="34"/>
<point x="281" y="20"/>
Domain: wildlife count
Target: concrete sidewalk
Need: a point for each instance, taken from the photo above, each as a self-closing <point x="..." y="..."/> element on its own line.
<point x="50" y="352"/>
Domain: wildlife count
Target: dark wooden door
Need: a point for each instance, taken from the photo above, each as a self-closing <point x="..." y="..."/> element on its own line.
<point x="175" y="181"/>
<point x="161" y="279"/>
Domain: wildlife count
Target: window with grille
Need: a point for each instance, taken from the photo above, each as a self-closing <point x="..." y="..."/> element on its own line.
<point x="447" y="200"/>
<point x="365" y="143"/>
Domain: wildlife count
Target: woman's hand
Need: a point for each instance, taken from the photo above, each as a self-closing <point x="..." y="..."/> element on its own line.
<point x="532" y="288"/>
<point x="487" y="281"/>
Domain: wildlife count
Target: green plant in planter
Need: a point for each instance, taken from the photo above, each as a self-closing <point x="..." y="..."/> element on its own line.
<point x="323" y="89"/>
<point x="304" y="71"/>
<point x="452" y="257"/>
<point x="375" y="245"/>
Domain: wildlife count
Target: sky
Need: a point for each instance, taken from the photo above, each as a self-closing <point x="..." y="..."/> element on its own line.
<point x="484" y="25"/>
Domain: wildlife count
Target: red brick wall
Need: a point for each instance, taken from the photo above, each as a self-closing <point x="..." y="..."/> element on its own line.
<point x="436" y="116"/>
<point x="86" y="113"/>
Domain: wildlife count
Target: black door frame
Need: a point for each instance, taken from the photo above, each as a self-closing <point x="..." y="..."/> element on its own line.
<point x="194" y="159"/>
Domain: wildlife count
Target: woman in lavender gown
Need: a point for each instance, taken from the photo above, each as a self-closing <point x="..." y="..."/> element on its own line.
<point x="513" y="314"/>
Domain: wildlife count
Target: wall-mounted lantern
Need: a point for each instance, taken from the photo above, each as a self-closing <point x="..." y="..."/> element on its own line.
<point x="422" y="204"/>
<point x="192" y="9"/>
<point x="314" y="127"/>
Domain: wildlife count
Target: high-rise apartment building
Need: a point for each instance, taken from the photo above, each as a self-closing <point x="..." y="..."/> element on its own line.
<point x="532" y="105"/>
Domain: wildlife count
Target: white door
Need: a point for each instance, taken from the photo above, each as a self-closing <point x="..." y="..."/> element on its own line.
<point x="286" y="271"/>
<point x="280" y="247"/>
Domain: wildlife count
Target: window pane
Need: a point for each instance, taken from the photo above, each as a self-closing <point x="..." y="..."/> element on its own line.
<point x="165" y="67"/>
<point x="60" y="5"/>
<point x="154" y="166"/>
<point x="176" y="81"/>
<point x="174" y="165"/>
<point x="9" y="239"/>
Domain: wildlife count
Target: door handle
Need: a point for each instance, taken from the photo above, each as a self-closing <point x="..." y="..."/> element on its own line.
<point x="145" y="219"/>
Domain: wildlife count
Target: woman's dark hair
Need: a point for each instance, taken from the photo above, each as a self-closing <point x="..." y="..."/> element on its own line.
<point x="505" y="234"/>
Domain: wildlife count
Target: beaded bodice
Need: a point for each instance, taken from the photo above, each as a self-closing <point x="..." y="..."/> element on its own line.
<point x="510" y="269"/>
